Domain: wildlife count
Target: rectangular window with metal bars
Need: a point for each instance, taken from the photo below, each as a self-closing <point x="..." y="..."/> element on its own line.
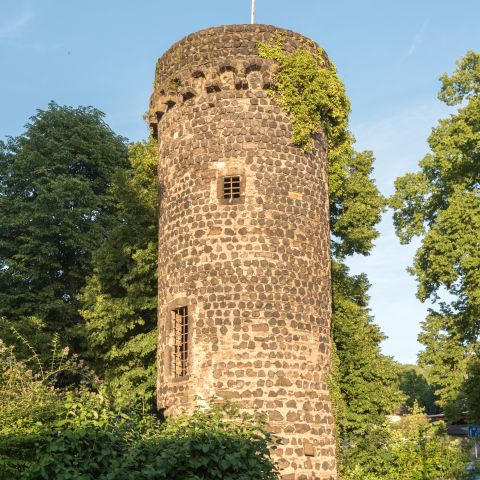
<point x="231" y="187"/>
<point x="180" y="350"/>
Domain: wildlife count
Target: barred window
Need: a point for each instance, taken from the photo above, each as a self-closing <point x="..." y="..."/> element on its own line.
<point x="231" y="187"/>
<point x="180" y="351"/>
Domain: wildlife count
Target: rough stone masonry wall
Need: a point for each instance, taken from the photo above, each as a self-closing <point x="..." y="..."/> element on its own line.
<point x="255" y="272"/>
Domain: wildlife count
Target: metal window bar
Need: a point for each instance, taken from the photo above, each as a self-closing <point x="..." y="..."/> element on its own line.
<point x="180" y="352"/>
<point x="231" y="187"/>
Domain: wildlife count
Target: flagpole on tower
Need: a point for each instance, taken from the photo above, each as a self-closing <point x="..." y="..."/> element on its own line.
<point x="252" y="16"/>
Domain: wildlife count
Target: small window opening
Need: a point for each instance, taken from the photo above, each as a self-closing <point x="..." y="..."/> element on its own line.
<point x="180" y="352"/>
<point x="231" y="187"/>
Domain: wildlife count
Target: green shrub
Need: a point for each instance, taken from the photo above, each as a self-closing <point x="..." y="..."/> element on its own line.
<point x="48" y="433"/>
<point x="26" y="405"/>
<point x="412" y="449"/>
<point x="96" y="442"/>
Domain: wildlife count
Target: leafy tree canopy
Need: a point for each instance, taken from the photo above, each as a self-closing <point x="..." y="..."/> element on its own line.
<point x="441" y="204"/>
<point x="365" y="379"/>
<point x="54" y="203"/>
<point x="413" y="382"/>
<point x="120" y="298"/>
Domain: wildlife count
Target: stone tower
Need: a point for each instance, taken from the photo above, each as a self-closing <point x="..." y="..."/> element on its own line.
<point x="244" y="262"/>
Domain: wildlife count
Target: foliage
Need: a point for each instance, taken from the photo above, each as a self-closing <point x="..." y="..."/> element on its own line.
<point x="27" y="401"/>
<point x="219" y="442"/>
<point x="464" y="84"/>
<point x="308" y="88"/>
<point x="33" y="328"/>
<point x="216" y="443"/>
<point x="441" y="204"/>
<point x="49" y="433"/>
<point x="368" y="456"/>
<point x="412" y="449"/>
<point x="366" y="379"/>
<point x="54" y="200"/>
<point x="356" y="204"/>
<point x="413" y="382"/>
<point x="119" y="300"/>
<point x="472" y="389"/>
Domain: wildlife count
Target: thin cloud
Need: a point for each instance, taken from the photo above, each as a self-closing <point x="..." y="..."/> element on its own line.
<point x="417" y="39"/>
<point x="16" y="24"/>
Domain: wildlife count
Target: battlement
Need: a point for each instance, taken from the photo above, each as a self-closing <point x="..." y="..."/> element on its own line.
<point x="240" y="76"/>
<point x="214" y="60"/>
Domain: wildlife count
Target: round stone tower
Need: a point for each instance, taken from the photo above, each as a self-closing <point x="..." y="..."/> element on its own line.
<point x="244" y="262"/>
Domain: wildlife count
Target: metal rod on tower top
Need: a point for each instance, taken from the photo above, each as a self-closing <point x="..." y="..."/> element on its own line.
<point x="252" y="16"/>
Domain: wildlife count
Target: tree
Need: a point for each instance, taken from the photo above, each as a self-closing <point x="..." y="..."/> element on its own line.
<point x="365" y="378"/>
<point x="414" y="384"/>
<point x="54" y="206"/>
<point x="363" y="385"/>
<point x="120" y="298"/>
<point x="364" y="389"/>
<point x="441" y="204"/>
<point x="412" y="449"/>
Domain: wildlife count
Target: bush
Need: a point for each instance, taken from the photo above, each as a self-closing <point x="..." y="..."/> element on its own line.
<point x="47" y="433"/>
<point x="95" y="442"/>
<point x="26" y="405"/>
<point x="413" y="449"/>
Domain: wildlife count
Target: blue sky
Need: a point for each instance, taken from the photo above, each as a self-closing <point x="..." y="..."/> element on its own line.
<point x="389" y="54"/>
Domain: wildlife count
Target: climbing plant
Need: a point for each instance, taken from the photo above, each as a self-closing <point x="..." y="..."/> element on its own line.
<point x="307" y="87"/>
